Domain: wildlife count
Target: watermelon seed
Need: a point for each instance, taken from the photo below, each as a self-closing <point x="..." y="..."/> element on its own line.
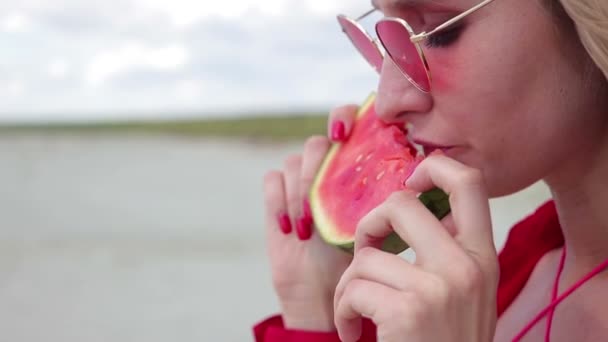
<point x="369" y="156"/>
<point x="380" y="175"/>
<point x="358" y="169"/>
<point x="364" y="181"/>
<point x="359" y="158"/>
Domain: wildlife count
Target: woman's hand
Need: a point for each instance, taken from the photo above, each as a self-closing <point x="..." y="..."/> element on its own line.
<point x="449" y="293"/>
<point x="305" y="270"/>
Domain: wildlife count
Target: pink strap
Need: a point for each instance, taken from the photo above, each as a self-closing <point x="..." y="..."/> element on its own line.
<point x="559" y="299"/>
<point x="554" y="295"/>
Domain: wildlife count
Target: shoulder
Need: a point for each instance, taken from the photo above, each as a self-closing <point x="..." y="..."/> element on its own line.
<point x="537" y="228"/>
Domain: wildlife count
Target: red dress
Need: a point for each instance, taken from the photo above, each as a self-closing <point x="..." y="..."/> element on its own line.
<point x="527" y="242"/>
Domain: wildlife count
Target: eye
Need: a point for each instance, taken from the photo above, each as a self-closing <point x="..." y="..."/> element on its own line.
<point x="444" y="38"/>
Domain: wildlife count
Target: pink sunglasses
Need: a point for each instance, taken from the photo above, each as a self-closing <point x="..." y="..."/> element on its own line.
<point x="407" y="54"/>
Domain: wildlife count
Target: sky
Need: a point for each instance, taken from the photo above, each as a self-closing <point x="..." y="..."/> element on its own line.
<point x="115" y="59"/>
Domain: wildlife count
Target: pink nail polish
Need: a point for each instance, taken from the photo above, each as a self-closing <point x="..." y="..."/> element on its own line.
<point x="306" y="209"/>
<point x="304" y="228"/>
<point x="337" y="131"/>
<point x="285" y="223"/>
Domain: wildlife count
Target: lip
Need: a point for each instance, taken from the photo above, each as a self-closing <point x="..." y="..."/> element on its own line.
<point x="429" y="147"/>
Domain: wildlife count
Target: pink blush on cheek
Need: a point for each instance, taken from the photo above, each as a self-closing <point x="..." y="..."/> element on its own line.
<point x="445" y="77"/>
<point x="448" y="66"/>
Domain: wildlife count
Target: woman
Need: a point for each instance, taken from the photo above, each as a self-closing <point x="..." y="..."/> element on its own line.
<point x="518" y="94"/>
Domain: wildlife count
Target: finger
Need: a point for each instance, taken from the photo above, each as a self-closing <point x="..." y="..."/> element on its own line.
<point x="277" y="218"/>
<point x="468" y="200"/>
<point x="383" y="268"/>
<point x="448" y="223"/>
<point x="302" y="223"/>
<point x="404" y="214"/>
<point x="292" y="169"/>
<point x="315" y="150"/>
<point x="362" y="298"/>
<point x="341" y="121"/>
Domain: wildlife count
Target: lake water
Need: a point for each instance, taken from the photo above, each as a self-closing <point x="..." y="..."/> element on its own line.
<point x="118" y="239"/>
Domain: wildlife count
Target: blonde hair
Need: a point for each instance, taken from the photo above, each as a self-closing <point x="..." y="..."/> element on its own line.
<point x="591" y="20"/>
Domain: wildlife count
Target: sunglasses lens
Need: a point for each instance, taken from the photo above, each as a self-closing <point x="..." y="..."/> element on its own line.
<point x="362" y="42"/>
<point x="395" y="39"/>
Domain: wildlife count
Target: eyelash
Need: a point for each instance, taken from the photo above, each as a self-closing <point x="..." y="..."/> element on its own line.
<point x="443" y="38"/>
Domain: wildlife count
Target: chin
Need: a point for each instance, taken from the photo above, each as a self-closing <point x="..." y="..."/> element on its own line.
<point x="499" y="181"/>
<point x="501" y="184"/>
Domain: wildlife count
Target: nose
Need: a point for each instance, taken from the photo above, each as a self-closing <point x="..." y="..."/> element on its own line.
<point x="397" y="96"/>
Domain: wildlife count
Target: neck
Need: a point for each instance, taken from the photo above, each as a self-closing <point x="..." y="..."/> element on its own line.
<point x="580" y="191"/>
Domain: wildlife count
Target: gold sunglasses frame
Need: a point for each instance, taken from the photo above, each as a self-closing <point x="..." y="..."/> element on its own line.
<point x="373" y="41"/>
<point x="414" y="38"/>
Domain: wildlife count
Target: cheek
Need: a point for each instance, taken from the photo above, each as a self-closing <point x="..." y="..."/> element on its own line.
<point x="446" y="67"/>
<point x="500" y="143"/>
<point x="451" y="66"/>
<point x="521" y="148"/>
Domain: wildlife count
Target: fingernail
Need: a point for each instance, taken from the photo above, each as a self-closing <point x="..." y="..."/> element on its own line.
<point x="438" y="152"/>
<point x="410" y="171"/>
<point x="306" y="209"/>
<point x="337" y="131"/>
<point x="408" y="174"/>
<point x="304" y="228"/>
<point x="285" y="223"/>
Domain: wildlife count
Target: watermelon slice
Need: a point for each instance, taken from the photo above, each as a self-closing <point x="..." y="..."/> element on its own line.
<point x="358" y="175"/>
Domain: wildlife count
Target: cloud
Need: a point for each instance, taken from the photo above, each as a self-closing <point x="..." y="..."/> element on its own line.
<point x="133" y="56"/>
<point x="13" y="88"/>
<point x="184" y="13"/>
<point x="83" y="59"/>
<point x="58" y="69"/>
<point x="15" y="22"/>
